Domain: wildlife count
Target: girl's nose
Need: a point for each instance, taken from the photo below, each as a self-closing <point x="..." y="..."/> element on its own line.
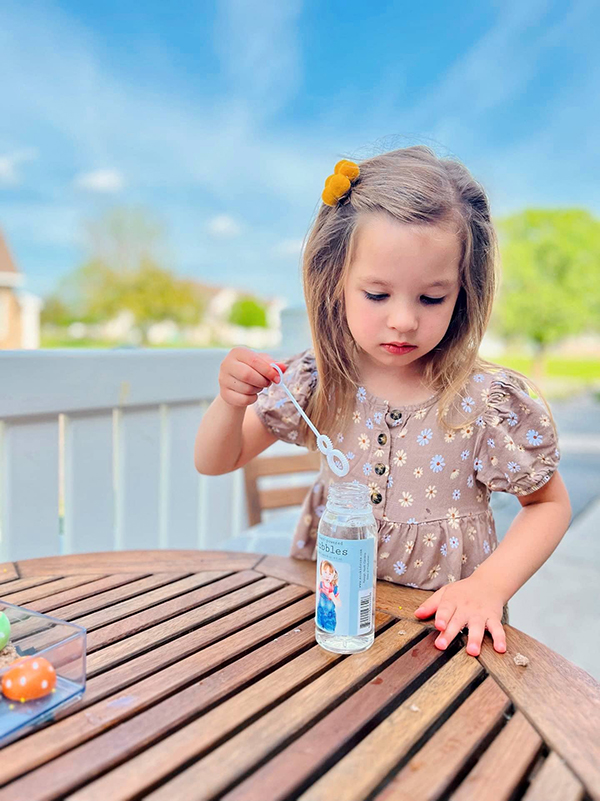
<point x="403" y="320"/>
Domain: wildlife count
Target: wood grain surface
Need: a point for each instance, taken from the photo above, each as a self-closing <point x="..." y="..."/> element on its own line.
<point x="205" y="682"/>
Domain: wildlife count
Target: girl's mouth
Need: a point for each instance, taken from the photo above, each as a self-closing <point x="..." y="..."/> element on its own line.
<point x="399" y="349"/>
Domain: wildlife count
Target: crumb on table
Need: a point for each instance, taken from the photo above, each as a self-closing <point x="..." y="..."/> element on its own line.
<point x="521" y="660"/>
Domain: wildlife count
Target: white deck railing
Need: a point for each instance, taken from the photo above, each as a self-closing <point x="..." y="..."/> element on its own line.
<point x="110" y="434"/>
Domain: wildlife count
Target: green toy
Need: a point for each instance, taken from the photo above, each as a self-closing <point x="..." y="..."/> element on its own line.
<point x="4" y="630"/>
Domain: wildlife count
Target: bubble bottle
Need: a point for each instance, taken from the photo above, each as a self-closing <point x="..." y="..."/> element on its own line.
<point x="346" y="557"/>
<point x="346" y="570"/>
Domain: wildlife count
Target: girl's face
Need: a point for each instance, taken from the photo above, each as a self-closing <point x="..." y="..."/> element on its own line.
<point x="328" y="574"/>
<point x="390" y="293"/>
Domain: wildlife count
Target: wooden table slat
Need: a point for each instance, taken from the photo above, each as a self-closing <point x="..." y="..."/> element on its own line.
<point x="293" y="766"/>
<point x="435" y="766"/>
<point x="8" y="572"/>
<point x="17" y="584"/>
<point x="213" y="773"/>
<point x="93" y="592"/>
<point x="366" y="766"/>
<point x="176" y="592"/>
<point x="114" y="746"/>
<point x="152" y="636"/>
<point x="155" y="561"/>
<point x="156" y="762"/>
<point x="502" y="768"/>
<point x="156" y="614"/>
<point x="554" y="782"/>
<point x="197" y="600"/>
<point x="247" y="620"/>
<point x="163" y="615"/>
<point x="91" y="719"/>
<point x="119" y="588"/>
<point x="45" y="590"/>
<point x="294" y="571"/>
<point x="559" y="699"/>
<point x="205" y="682"/>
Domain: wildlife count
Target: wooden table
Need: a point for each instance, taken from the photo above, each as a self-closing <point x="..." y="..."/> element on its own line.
<point x="204" y="681"/>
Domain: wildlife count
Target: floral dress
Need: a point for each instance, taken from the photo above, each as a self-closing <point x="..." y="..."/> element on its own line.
<point x="430" y="489"/>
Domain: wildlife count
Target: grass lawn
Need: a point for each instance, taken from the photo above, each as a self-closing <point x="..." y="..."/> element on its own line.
<point x="562" y="376"/>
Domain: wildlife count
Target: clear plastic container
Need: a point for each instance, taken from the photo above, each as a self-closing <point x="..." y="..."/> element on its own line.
<point x="57" y="642"/>
<point x="346" y="570"/>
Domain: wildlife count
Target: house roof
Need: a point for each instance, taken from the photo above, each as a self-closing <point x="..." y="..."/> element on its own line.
<point x="7" y="265"/>
<point x="208" y="290"/>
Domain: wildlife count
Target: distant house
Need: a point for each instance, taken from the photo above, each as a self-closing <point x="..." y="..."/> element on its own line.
<point x="215" y="328"/>
<point x="19" y="310"/>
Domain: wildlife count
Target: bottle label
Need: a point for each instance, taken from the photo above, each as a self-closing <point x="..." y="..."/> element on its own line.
<point x="345" y="592"/>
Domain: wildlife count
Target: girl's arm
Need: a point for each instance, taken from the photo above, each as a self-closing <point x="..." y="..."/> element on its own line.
<point x="477" y="601"/>
<point x="229" y="434"/>
<point x="532" y="537"/>
<point x="228" y="438"/>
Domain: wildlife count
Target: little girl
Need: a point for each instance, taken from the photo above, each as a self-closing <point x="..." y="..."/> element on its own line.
<point x="399" y="279"/>
<point x="328" y="597"/>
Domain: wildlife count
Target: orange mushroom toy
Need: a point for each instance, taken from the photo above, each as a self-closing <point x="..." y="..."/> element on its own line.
<point x="29" y="678"/>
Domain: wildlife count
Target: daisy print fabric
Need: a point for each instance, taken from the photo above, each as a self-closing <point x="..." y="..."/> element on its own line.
<point x="429" y="489"/>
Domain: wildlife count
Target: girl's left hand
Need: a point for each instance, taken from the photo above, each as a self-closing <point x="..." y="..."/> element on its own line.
<point x="466" y="603"/>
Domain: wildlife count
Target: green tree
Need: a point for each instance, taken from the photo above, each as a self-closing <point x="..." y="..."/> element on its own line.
<point x="55" y="312"/>
<point x="248" y="312"/>
<point x="550" y="278"/>
<point x="123" y="273"/>
<point x="154" y="294"/>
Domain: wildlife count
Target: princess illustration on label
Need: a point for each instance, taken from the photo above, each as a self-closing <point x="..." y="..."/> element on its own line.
<point x="329" y="597"/>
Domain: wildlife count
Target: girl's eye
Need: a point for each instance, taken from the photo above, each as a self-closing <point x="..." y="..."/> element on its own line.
<point x="426" y="300"/>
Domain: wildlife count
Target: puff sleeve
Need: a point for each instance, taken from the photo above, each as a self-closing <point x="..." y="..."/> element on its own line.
<point x="273" y="406"/>
<point x="516" y="449"/>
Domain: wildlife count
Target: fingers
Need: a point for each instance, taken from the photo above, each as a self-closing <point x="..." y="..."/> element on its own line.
<point x="239" y="386"/>
<point x="496" y="629"/>
<point x="252" y="368"/>
<point x="455" y="624"/>
<point x="261" y="363"/>
<point x="476" y="632"/>
<point x="476" y="627"/>
<point x="259" y="378"/>
<point x="429" y="607"/>
<point x="244" y="374"/>
<point x="444" y="613"/>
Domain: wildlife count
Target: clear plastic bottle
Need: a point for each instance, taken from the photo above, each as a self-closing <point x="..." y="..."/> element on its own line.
<point x="346" y="570"/>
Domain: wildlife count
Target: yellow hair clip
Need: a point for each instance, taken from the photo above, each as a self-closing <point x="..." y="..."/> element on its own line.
<point x="339" y="183"/>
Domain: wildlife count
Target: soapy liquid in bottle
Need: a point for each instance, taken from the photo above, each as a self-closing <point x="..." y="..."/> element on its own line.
<point x="346" y="571"/>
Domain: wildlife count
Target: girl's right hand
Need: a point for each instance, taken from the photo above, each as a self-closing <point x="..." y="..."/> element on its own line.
<point x="244" y="373"/>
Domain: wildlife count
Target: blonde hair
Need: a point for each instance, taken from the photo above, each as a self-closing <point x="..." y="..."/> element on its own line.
<point x="325" y="564"/>
<point x="411" y="185"/>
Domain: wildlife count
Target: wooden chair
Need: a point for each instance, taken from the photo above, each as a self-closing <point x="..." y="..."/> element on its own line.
<point x="277" y="497"/>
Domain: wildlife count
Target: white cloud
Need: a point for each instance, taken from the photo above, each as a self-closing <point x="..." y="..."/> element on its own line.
<point x="224" y="227"/>
<point x="288" y="247"/>
<point x="10" y="161"/>
<point x="98" y="114"/>
<point x="237" y="149"/>
<point x="100" y="181"/>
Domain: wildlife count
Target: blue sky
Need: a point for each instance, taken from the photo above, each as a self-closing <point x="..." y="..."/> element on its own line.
<point x="224" y="118"/>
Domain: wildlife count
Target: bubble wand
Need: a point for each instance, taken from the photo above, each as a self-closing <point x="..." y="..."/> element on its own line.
<point x="335" y="458"/>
